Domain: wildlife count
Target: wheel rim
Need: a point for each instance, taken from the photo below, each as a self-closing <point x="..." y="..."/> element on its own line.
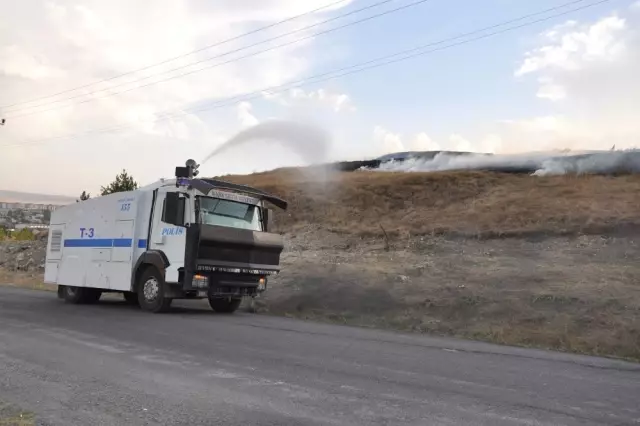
<point x="151" y="289"/>
<point x="71" y="291"/>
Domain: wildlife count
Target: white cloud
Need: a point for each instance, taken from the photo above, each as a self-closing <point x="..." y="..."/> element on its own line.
<point x="574" y="50"/>
<point x="246" y="118"/>
<point x="49" y="46"/>
<point x="550" y="90"/>
<point x="386" y="142"/>
<point x="458" y="143"/>
<point x="592" y="68"/>
<point x="422" y="142"/>
<point x="337" y="102"/>
<point x="19" y="63"/>
<point x="491" y="143"/>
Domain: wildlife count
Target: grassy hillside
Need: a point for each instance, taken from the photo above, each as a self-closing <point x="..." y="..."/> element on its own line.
<point x="463" y="203"/>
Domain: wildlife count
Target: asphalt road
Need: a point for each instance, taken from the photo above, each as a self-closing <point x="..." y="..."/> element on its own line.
<point x="112" y="364"/>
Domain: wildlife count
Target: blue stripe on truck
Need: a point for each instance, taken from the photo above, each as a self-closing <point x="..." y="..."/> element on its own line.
<point x="95" y="242"/>
<point x="103" y="242"/>
<point x="122" y="242"/>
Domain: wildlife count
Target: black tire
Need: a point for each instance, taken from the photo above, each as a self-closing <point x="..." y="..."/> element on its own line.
<point x="131" y="298"/>
<point x="155" y="300"/>
<point x="224" y="305"/>
<point x="72" y="294"/>
<point x="80" y="295"/>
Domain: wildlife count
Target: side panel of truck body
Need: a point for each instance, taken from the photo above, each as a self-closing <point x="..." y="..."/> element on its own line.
<point x="97" y="242"/>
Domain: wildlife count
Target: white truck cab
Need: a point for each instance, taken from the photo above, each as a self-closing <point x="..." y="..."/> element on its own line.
<point x="184" y="238"/>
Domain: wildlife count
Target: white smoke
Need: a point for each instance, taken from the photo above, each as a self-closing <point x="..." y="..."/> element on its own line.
<point x="538" y="164"/>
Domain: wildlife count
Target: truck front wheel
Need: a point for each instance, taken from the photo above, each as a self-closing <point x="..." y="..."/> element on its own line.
<point x="151" y="291"/>
<point x="224" y="305"/>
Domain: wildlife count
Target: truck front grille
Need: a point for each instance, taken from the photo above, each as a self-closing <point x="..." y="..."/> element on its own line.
<point x="239" y="255"/>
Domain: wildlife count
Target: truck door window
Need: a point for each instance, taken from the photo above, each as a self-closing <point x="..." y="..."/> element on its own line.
<point x="214" y="211"/>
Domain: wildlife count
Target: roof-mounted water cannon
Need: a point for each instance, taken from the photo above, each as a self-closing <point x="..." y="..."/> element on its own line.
<point x="189" y="171"/>
<point x="193" y="167"/>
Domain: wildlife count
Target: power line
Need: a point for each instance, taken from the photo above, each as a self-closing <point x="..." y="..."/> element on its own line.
<point x="410" y="53"/>
<point x="220" y="43"/>
<point x="397" y="9"/>
<point x="364" y="66"/>
<point x="386" y="60"/>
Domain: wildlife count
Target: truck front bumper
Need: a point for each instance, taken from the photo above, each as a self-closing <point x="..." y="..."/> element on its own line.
<point x="228" y="285"/>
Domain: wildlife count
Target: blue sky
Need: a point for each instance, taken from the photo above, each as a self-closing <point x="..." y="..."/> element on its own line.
<point x="463" y="93"/>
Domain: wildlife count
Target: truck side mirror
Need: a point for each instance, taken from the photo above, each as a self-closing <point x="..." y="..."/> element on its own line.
<point x="173" y="211"/>
<point x="267" y="216"/>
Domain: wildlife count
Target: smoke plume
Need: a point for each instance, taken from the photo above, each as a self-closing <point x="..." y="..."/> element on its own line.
<point x="537" y="164"/>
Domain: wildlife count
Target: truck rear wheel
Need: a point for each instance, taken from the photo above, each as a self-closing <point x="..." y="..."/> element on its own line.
<point x="80" y="295"/>
<point x="224" y="305"/>
<point x="151" y="291"/>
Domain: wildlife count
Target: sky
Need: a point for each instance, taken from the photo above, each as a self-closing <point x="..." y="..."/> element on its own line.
<point x="569" y="82"/>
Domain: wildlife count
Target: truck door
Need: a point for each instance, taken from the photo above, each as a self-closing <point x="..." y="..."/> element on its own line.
<point x="168" y="238"/>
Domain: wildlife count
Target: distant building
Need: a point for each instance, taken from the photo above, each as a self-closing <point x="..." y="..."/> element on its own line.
<point x="27" y="206"/>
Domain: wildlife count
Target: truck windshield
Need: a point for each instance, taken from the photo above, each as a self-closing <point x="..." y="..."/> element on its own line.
<point x="214" y="211"/>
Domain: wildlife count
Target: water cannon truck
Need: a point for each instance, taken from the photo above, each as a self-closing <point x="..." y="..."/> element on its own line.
<point x="178" y="238"/>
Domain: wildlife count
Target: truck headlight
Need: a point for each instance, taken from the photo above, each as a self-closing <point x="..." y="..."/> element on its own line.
<point x="200" y="281"/>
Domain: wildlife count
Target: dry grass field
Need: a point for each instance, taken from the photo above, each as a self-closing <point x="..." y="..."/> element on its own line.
<point x="474" y="204"/>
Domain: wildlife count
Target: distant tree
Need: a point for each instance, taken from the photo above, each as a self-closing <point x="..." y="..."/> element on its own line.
<point x="84" y="196"/>
<point x="3" y="233"/>
<point x="123" y="183"/>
